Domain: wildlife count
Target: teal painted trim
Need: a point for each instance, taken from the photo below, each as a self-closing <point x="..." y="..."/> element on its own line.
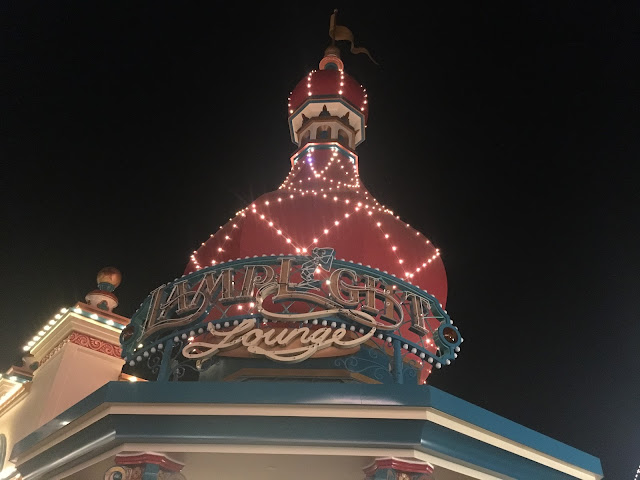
<point x="300" y="431"/>
<point x="106" y="286"/>
<point x="504" y="427"/>
<point x="436" y="439"/>
<point x="83" y="446"/>
<point x="151" y="472"/>
<point x="96" y="317"/>
<point x="302" y="393"/>
<point x="367" y="361"/>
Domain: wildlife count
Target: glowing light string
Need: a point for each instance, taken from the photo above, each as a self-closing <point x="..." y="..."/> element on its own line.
<point x="323" y="164"/>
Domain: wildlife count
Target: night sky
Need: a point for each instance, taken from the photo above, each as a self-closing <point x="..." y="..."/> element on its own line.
<point x="506" y="132"/>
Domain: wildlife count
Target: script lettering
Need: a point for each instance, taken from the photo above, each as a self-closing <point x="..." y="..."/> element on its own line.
<point x="251" y="337"/>
<point x="253" y="280"/>
<point x="181" y="301"/>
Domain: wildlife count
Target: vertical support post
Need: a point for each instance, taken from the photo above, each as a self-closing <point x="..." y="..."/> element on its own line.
<point x="163" y="373"/>
<point x="151" y="471"/>
<point x="397" y="361"/>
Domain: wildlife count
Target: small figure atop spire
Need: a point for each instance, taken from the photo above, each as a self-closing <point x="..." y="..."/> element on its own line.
<point x="340" y="32"/>
<point x="331" y="60"/>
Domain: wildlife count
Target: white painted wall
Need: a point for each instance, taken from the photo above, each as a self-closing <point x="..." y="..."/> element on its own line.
<point x="69" y="376"/>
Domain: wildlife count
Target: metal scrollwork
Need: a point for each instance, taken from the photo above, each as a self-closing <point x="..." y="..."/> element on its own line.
<point x="410" y="371"/>
<point x="368" y="361"/>
<point x="179" y="365"/>
<point x="153" y="362"/>
<point x="178" y="372"/>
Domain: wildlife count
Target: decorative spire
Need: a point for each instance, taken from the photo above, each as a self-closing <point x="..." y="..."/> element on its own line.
<point x="108" y="280"/>
<point x="340" y="32"/>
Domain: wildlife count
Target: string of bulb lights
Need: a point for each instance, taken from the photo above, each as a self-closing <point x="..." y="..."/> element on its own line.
<point x="58" y="317"/>
<point x="351" y="195"/>
<point x="340" y="89"/>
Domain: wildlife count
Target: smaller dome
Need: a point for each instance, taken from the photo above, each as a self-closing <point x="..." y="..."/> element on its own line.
<point x="329" y="83"/>
<point x="110" y="275"/>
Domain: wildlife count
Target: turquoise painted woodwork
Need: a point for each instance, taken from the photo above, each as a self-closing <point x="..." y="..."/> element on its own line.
<point x="151" y="472"/>
<point x="421" y="435"/>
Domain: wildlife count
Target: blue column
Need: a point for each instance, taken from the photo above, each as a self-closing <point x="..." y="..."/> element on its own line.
<point x="163" y="374"/>
<point x="150" y="472"/>
<point x="397" y="361"/>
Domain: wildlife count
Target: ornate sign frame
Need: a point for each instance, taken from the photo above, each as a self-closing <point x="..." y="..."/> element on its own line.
<point x="286" y="309"/>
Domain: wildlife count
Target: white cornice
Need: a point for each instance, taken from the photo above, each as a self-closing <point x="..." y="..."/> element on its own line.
<point x="70" y="322"/>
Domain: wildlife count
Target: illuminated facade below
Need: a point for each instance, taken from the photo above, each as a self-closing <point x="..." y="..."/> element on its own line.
<point x="298" y="343"/>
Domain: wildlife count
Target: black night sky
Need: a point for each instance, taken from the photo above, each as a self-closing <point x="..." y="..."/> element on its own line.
<point x="506" y="132"/>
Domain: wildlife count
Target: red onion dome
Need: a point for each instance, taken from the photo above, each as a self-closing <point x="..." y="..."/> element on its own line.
<point x="329" y="83"/>
<point x="322" y="203"/>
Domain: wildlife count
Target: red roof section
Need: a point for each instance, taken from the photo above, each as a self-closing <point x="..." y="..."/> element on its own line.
<point x="311" y="209"/>
<point x="329" y="84"/>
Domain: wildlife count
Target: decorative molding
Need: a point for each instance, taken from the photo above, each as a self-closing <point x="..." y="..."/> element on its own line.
<point x="391" y="468"/>
<point x="151" y="458"/>
<point x="6" y="405"/>
<point x="77" y="319"/>
<point x="53" y="351"/>
<point x="95" y="344"/>
<point x="145" y="466"/>
<point x="86" y="341"/>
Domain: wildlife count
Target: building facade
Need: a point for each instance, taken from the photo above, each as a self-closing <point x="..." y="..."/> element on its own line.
<point x="298" y="343"/>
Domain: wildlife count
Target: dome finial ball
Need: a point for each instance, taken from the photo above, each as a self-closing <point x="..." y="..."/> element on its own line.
<point x="109" y="275"/>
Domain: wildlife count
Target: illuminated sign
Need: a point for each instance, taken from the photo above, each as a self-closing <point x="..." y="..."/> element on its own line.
<point x="289" y="309"/>
<point x="269" y="342"/>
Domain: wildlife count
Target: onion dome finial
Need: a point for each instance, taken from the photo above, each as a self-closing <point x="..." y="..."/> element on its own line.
<point x="331" y="59"/>
<point x="108" y="280"/>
